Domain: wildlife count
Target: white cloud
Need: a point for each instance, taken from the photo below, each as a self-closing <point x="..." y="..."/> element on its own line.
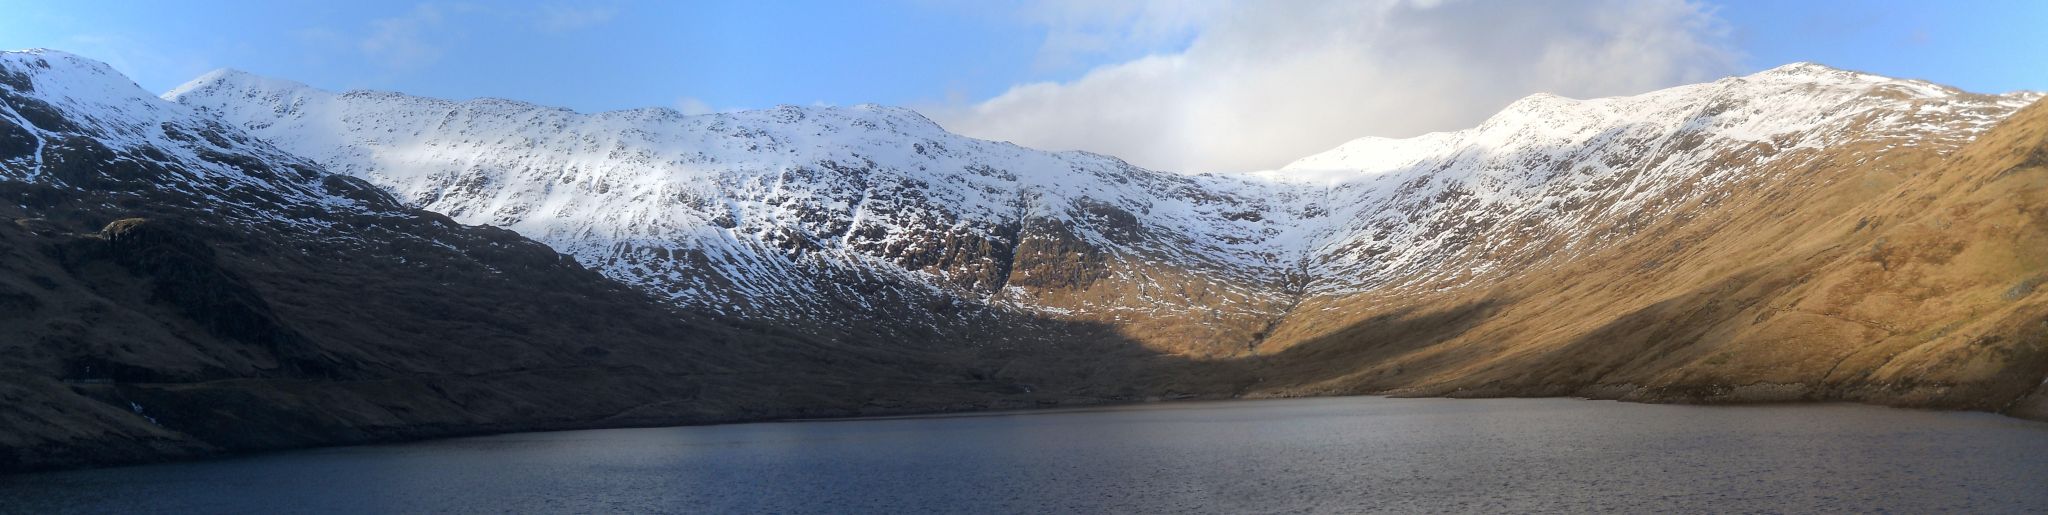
<point x="322" y="38"/>
<point x="1076" y="29"/>
<point x="693" y="106"/>
<point x="421" y="36"/>
<point x="405" y="41"/>
<point x="564" y="18"/>
<point x="1263" y="83"/>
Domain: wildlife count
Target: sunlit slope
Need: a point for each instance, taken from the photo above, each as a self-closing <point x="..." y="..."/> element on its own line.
<point x="1896" y="274"/>
<point x="871" y="219"/>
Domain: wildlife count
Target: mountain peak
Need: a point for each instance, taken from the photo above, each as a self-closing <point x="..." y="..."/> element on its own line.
<point x="232" y="78"/>
<point x="1803" y="67"/>
<point x="238" y="83"/>
<point x="901" y="115"/>
<point x="1539" y="105"/>
<point x="46" y="53"/>
<point x="1801" y="91"/>
<point x="1808" y="71"/>
<point x="87" y="88"/>
<point x="28" y="68"/>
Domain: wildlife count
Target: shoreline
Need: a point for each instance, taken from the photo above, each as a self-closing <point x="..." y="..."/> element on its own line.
<point x="1065" y="406"/>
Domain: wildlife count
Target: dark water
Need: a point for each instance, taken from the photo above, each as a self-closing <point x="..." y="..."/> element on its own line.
<point x="1316" y="455"/>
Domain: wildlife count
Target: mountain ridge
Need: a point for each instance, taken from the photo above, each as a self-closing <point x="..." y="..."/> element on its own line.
<point x="1420" y="264"/>
<point x="252" y="268"/>
<point x="175" y="288"/>
<point x="1243" y="241"/>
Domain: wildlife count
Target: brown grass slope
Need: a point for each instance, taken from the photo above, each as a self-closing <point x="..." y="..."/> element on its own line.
<point x="1885" y="275"/>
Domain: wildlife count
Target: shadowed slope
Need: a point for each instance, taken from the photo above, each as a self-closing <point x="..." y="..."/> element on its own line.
<point x="173" y="287"/>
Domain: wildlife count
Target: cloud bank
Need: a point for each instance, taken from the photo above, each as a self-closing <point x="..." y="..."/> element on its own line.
<point x="1263" y="83"/>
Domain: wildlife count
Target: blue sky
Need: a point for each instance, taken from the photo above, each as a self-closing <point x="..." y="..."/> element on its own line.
<point x="1982" y="46"/>
<point x="993" y="68"/>
<point x="588" y="56"/>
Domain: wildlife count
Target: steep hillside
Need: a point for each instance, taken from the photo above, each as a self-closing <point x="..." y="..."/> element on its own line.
<point x="1551" y="178"/>
<point x="831" y="216"/>
<point x="1878" y="272"/>
<point x="183" y="275"/>
<point x="174" y="287"/>
<point x="1665" y="246"/>
<point x="835" y="219"/>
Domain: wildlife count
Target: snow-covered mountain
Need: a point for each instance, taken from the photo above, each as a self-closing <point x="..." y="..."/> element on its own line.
<point x="796" y="212"/>
<point x="803" y="213"/>
<point x="184" y="278"/>
<point x="171" y="286"/>
<point x="1554" y="177"/>
<point x="66" y="114"/>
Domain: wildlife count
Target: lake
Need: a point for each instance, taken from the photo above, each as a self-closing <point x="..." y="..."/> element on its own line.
<point x="1355" y="454"/>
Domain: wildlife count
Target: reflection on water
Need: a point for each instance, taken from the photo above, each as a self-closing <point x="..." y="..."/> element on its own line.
<point x="1341" y="454"/>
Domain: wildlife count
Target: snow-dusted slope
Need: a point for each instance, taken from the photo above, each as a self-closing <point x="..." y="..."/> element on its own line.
<point x="1551" y="176"/>
<point x="789" y="209"/>
<point x="171" y="286"/>
<point x="807" y="210"/>
<point x="55" y="96"/>
<point x="84" y="138"/>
